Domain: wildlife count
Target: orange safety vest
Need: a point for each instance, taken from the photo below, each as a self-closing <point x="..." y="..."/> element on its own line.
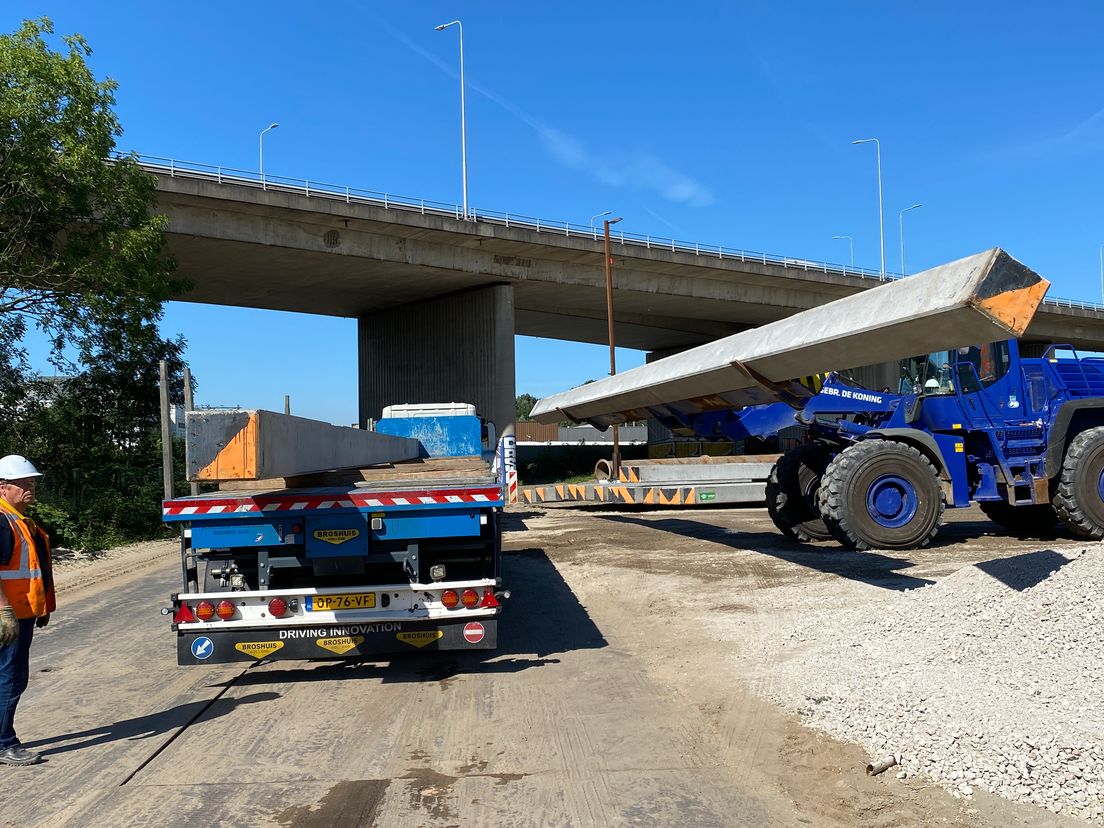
<point x="22" y="578"/>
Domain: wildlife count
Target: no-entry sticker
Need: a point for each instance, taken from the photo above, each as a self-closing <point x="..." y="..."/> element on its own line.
<point x="474" y="632"/>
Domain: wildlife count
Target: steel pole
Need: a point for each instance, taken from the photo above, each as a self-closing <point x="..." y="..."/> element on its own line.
<point x="881" y="211"/>
<point x="1102" y="273"/>
<point x="463" y="122"/>
<point x="616" y="460"/>
<point x="166" y="435"/>
<point x="189" y="405"/>
<point x="901" y="216"/>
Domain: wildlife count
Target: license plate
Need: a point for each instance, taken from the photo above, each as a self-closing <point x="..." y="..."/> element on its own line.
<point x="347" y="601"/>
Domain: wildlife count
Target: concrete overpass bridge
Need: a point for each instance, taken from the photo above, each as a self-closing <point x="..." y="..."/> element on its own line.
<point x="438" y="297"/>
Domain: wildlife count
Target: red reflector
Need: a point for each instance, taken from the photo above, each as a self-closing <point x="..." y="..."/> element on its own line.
<point x="277" y="607"/>
<point x="225" y="610"/>
<point x="489" y="601"/>
<point x="205" y="611"/>
<point x="470" y="598"/>
<point x="450" y="599"/>
<point x="184" y="615"/>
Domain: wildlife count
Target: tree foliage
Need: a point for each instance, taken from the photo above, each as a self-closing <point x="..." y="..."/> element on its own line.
<point x="524" y="404"/>
<point x="82" y="259"/>
<point x="80" y="248"/>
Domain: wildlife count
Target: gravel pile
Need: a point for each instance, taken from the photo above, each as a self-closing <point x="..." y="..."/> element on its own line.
<point x="990" y="679"/>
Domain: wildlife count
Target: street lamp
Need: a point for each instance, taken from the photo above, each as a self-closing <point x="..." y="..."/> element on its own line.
<point x="592" y="218"/>
<point x="463" y="125"/>
<point x="881" y="213"/>
<point x="1102" y="273"/>
<point x="851" y="243"/>
<point x="902" y="219"/>
<point x="260" y="159"/>
<point x="616" y="460"/>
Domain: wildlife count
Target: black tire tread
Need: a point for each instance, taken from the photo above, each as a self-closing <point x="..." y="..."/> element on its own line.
<point x="1068" y="501"/>
<point x="789" y="520"/>
<point x="836" y="475"/>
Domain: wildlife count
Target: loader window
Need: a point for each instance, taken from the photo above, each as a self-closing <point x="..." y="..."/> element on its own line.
<point x="937" y="372"/>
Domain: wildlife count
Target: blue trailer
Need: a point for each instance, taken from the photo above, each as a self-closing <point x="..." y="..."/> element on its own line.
<point x="393" y="561"/>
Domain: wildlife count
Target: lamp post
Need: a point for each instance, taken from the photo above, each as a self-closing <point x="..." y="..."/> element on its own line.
<point x="881" y="213"/>
<point x="851" y="244"/>
<point x="260" y="158"/>
<point x="1102" y="273"/>
<point x="592" y="218"/>
<point x="463" y="124"/>
<point x="902" y="220"/>
<point x="616" y="460"/>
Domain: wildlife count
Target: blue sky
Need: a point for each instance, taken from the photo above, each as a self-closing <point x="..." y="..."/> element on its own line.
<point x="722" y="123"/>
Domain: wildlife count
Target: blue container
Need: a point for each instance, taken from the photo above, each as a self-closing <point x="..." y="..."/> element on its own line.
<point x="439" y="436"/>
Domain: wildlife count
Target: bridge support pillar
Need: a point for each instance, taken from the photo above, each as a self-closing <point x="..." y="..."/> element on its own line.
<point x="458" y="348"/>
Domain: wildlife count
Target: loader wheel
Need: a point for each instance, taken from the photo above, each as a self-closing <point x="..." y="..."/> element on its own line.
<point x="880" y="494"/>
<point x="1080" y="495"/>
<point x="1030" y="521"/>
<point x="792" y="493"/>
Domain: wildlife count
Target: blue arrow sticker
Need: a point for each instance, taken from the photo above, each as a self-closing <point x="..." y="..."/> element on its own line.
<point x="203" y="647"/>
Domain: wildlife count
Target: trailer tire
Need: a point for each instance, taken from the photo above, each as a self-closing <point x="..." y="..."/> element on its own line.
<point x="881" y="494"/>
<point x="1029" y="521"/>
<point x="1079" y="498"/>
<point x="792" y="493"/>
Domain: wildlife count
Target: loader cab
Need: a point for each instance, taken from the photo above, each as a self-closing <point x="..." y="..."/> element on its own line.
<point x="967" y="369"/>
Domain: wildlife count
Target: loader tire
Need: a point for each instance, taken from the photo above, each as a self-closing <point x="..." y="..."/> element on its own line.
<point x="1079" y="498"/>
<point x="880" y="494"/>
<point x="792" y="493"/>
<point x="1027" y="521"/>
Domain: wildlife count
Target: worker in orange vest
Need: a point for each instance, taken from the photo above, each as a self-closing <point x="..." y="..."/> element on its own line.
<point x="26" y="595"/>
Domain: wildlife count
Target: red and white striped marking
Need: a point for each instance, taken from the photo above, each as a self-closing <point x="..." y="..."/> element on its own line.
<point x="267" y="504"/>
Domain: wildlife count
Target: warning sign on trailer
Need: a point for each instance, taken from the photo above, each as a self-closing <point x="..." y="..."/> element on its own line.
<point x="311" y="641"/>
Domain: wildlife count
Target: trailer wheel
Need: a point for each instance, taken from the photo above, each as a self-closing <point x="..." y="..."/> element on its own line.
<point x="881" y="494"/>
<point x="1030" y="521"/>
<point x="1080" y="495"/>
<point x="792" y="493"/>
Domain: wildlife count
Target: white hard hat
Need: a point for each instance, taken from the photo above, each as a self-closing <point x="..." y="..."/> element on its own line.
<point x="17" y="467"/>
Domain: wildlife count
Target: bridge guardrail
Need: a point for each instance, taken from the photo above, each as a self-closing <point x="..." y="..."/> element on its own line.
<point x="318" y="189"/>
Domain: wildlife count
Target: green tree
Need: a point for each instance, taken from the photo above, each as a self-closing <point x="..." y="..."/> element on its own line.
<point x="82" y="258"/>
<point x="80" y="249"/>
<point x="524" y="404"/>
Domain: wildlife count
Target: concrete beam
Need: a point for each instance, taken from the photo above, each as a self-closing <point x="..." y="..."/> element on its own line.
<point x="257" y="445"/>
<point x="981" y="298"/>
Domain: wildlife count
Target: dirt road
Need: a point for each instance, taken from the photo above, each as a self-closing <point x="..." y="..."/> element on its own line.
<point x="609" y="702"/>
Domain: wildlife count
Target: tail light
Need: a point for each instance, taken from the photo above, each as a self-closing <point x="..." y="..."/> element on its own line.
<point x="489" y="601"/>
<point x="450" y="599"/>
<point x="225" y="610"/>
<point x="470" y="598"/>
<point x="184" y="615"/>
<point x="277" y="607"/>
<point x="205" y="611"/>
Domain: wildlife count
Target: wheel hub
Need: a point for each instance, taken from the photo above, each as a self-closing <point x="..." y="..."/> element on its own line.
<point x="891" y="501"/>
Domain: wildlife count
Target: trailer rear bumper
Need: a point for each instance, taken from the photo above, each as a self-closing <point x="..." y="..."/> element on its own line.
<point x="331" y="641"/>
